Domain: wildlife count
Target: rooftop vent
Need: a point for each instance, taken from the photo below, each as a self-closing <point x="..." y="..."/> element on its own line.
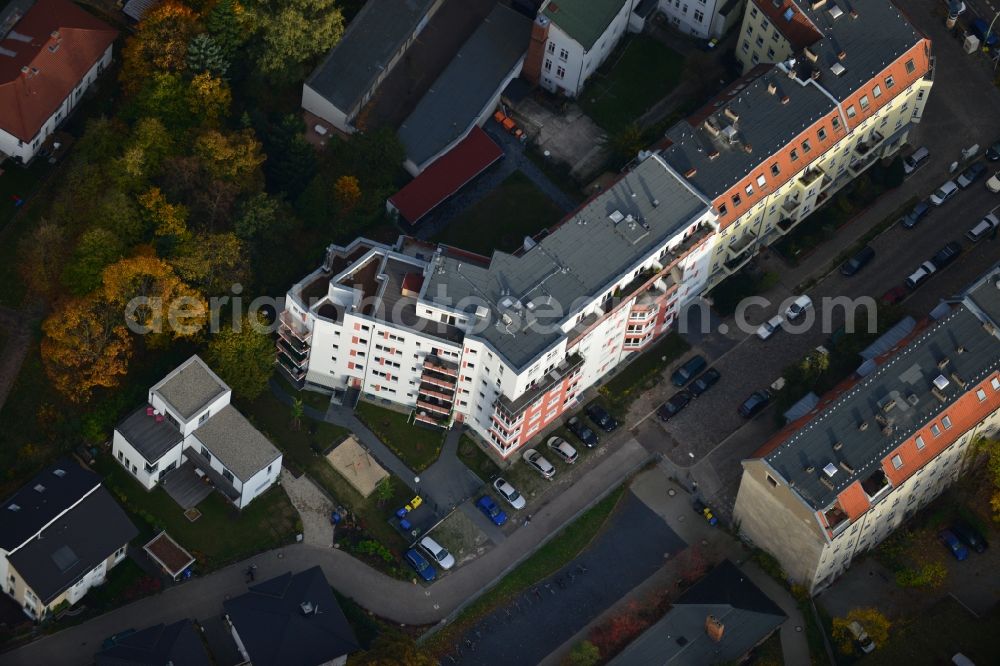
<point x="836" y="12"/>
<point x="747" y="148"/>
<point x="912" y="399"/>
<point x="841" y="55"/>
<point x="941" y="382"/>
<point x="729" y="132"/>
<point x="771" y="88"/>
<point x="960" y="349"/>
<point x="846" y="467"/>
<point x="943" y="363"/>
<point x="39" y="488"/>
<point x="838" y="446"/>
<point x="854" y="13"/>
<point x="54" y="34"/>
<point x="887" y="404"/>
<point x="13" y="507"/>
<point x="711" y="127"/>
<point x="830" y="470"/>
<point x="307" y="608"/>
<point x="863" y="426"/>
<point x="815" y="74"/>
<point x="808" y="52"/>
<point x="810" y="469"/>
<point x="784" y="99"/>
<point x="732" y="115"/>
<point x="616" y="216"/>
<point x="712" y="155"/>
<point x="690" y="173"/>
<point x="837" y="69"/>
<point x="818" y="4"/>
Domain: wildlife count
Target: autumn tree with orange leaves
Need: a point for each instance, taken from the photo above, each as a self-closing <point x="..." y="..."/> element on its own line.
<point x="160" y="44"/>
<point x="153" y="298"/>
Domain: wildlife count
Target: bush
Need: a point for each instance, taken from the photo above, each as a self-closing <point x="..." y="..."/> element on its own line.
<point x="374" y="549"/>
<point x="584" y="653"/>
<point x="931" y="574"/>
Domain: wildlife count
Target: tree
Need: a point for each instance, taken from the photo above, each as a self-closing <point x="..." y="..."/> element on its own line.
<point x="41" y="256"/>
<point x="243" y="356"/>
<point x="143" y="158"/>
<point x="225" y="24"/>
<point x="205" y="55"/>
<point x="163" y="95"/>
<point x="234" y="157"/>
<point x="165" y="218"/>
<point x="384" y="490"/>
<point x="212" y="263"/>
<point x="209" y="99"/>
<point x="85" y="346"/>
<point x="875" y="624"/>
<point x="159" y="44"/>
<point x="257" y="216"/>
<point x="291" y="160"/>
<point x="95" y="250"/>
<point x="583" y="653"/>
<point x="347" y="192"/>
<point x="293" y="32"/>
<point x="627" y="142"/>
<point x="990" y="447"/>
<point x="154" y="299"/>
<point x="392" y="648"/>
<point x="298" y="411"/>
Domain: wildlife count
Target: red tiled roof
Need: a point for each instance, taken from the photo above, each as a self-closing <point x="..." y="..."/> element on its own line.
<point x="28" y="100"/>
<point x="800" y="31"/>
<point x="447" y="175"/>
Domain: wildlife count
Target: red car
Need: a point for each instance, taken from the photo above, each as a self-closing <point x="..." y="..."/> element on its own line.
<point x="894" y="295"/>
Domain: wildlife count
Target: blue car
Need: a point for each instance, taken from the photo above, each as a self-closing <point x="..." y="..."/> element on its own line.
<point x="420" y="565"/>
<point x="952" y="543"/>
<point x="492" y="511"/>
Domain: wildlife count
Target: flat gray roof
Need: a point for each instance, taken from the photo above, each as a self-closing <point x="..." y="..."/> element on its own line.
<point x="984" y="296"/>
<point x="236" y="443"/>
<point x="190" y="387"/>
<point x="765" y="124"/>
<point x="906" y="378"/>
<point x="370" y="42"/>
<point x="579" y="259"/>
<point x="149" y="438"/>
<point x="458" y="97"/>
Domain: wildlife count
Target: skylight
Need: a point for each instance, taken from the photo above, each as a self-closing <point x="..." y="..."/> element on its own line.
<point x="789" y="14"/>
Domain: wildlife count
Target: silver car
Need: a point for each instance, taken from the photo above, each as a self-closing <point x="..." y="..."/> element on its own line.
<point x="509" y="493"/>
<point x="563" y="449"/>
<point x="541" y="465"/>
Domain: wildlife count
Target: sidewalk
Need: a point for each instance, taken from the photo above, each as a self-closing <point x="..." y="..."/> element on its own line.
<point x="397" y="601"/>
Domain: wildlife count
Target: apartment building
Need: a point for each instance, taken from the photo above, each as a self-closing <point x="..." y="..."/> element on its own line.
<point x="838" y="481"/>
<point x="832" y="100"/>
<point x="504" y="344"/>
<point x="60" y="534"/>
<point x="706" y="19"/>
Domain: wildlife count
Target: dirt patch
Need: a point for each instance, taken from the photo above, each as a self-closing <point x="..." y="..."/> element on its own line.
<point x="461" y="537"/>
<point x="357" y="465"/>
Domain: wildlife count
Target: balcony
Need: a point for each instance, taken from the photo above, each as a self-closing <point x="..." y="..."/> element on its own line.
<point x="294" y="327"/>
<point x="438" y="382"/>
<point x="435" y="364"/>
<point x="294" y="355"/>
<point x="876" y="486"/>
<point x="434" y="407"/>
<point x="866" y="147"/>
<point x="437" y="395"/>
<point x="791" y="204"/>
<point x="294" y="372"/>
<point x="430" y="418"/>
<point x="811" y="175"/>
<point x="514" y="408"/>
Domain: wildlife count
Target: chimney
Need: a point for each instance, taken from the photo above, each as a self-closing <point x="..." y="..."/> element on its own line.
<point x="818" y="4"/>
<point x="747" y="148"/>
<point x="732" y="115"/>
<point x="854" y="13"/>
<point x="712" y="155"/>
<point x="812" y="57"/>
<point x="784" y="99"/>
<point x="771" y="88"/>
<point x="690" y="172"/>
<point x="714" y="628"/>
<point x="841" y="54"/>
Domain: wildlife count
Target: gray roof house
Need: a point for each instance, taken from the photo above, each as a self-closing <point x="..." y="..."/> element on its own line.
<point x="176" y="644"/>
<point x="188" y="434"/>
<point x="59" y="535"/>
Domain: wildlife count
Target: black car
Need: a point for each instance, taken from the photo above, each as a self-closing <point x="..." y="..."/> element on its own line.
<point x="687" y="372"/>
<point x="946" y="255"/>
<point x="970" y="175"/>
<point x="858" y="261"/>
<point x="582" y="432"/>
<point x="600" y="416"/>
<point x="753" y="405"/>
<point x="704" y="382"/>
<point x="969" y="535"/>
<point x="673" y="407"/>
<point x="993" y="152"/>
<point x="918" y="213"/>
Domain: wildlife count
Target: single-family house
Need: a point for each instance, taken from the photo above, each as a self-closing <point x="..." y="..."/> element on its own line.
<point x="291" y="619"/>
<point x="51" y="51"/>
<point x="176" y="644"/>
<point x="189" y="425"/>
<point x="59" y="536"/>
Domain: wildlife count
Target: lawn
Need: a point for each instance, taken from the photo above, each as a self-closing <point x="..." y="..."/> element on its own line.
<point x="544" y="562"/>
<point x="933" y="636"/>
<point x="641" y="373"/>
<point x="480" y="462"/>
<point x="222" y="535"/>
<point x="415" y="445"/>
<point x="637" y="75"/>
<point x="500" y="221"/>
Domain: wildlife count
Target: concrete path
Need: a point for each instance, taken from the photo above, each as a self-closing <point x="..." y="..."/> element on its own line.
<point x="448" y="482"/>
<point x="314" y="508"/>
<point x="392" y="599"/>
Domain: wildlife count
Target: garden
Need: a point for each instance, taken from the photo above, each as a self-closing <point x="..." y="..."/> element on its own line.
<point x="416" y="445"/>
<point x="642" y="372"/>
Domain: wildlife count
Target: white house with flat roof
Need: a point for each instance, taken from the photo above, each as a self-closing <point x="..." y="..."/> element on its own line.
<point x="189" y="422"/>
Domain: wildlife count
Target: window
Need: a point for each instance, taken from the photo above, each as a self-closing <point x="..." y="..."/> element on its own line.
<point x="836" y="123"/>
<point x="760" y="41"/>
<point x="995" y="383"/>
<point x="208" y="454"/>
<point x="753" y="12"/>
<point x="120" y="457"/>
<point x="919" y="441"/>
<point x="749" y="190"/>
<point x="806" y="146"/>
<point x="227" y="475"/>
<point x="775" y="169"/>
<point x="760" y="181"/>
<point x="946" y="422"/>
<point x="746" y="46"/>
<point x="877" y="91"/>
<point x="897" y="461"/>
<point x="736" y="200"/>
<point x="936" y="430"/>
<point x="204" y="417"/>
<point x="552" y="47"/>
<point x="699" y="16"/>
<point x="723" y="211"/>
<point x="851" y="111"/>
<point x="910" y="67"/>
<point x="821" y="133"/>
<point x="560" y="71"/>
<point x="770" y="54"/>
<point x="981" y="394"/>
<point x="548" y="65"/>
<point x="794" y="155"/>
<point x="889" y="82"/>
<point x="864" y="102"/>
<point x="563" y="54"/>
<point x="770" y="479"/>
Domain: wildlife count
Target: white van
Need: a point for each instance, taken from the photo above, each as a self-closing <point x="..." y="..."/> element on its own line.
<point x="916" y="160"/>
<point x="437" y="553"/>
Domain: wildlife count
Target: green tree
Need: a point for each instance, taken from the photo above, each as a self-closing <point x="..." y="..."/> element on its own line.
<point x="392" y="648"/>
<point x="384" y="490"/>
<point x="164" y="95"/>
<point x="243" y="356"/>
<point x="212" y="263"/>
<point x="205" y="55"/>
<point x="990" y="447"/>
<point x="41" y="257"/>
<point x="95" y="250"/>
<point x="225" y="24"/>
<point x="291" y="160"/>
<point x="298" y="411"/>
<point x="875" y="624"/>
<point x="292" y="32"/>
<point x="583" y="653"/>
<point x="257" y="216"/>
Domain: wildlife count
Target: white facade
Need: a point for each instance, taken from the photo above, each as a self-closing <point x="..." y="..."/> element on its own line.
<point x="700" y="18"/>
<point x="25" y="150"/>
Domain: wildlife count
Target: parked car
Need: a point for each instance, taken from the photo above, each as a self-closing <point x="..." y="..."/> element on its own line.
<point x="753" y="405"/>
<point x="673" y="407"/>
<point x="918" y="213"/>
<point x="943" y="193"/>
<point x="861" y="637"/>
<point x="508" y="492"/>
<point x="916" y="160"/>
<point x="563" y="449"/>
<point x="969" y="535"/>
<point x="894" y="295"/>
<point x="420" y="564"/>
<point x="798" y="307"/>
<point x="951" y="542"/>
<point x="946" y="255"/>
<point x="705" y="381"/>
<point x="601" y="417"/>
<point x="541" y="465"/>
<point x="971" y="175"/>
<point x="687" y="372"/>
<point x="491" y="510"/>
<point x="582" y="432"/>
<point x="993" y="184"/>
<point x="860" y="259"/>
<point x="993" y="152"/>
<point x="983" y="227"/>
<point x="438" y="553"/>
<point x="918" y="276"/>
<point x="770" y="327"/>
